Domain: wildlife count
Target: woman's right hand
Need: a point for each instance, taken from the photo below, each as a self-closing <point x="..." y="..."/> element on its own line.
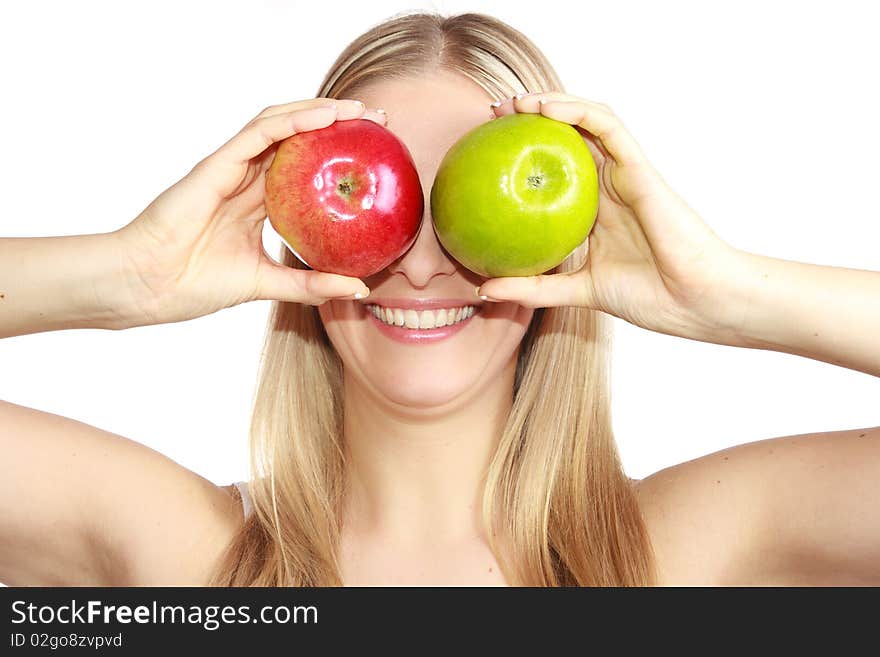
<point x="198" y="247"/>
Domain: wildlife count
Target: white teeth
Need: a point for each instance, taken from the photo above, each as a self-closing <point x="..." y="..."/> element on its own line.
<point x="425" y="319"/>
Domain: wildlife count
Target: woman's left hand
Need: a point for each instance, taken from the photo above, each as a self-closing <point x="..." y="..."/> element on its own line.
<point x="651" y="260"/>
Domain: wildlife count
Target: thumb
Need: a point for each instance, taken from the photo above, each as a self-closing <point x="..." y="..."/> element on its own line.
<point x="566" y="289"/>
<point x="283" y="283"/>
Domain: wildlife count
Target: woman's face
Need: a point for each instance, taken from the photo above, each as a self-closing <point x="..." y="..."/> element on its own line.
<point x="428" y="114"/>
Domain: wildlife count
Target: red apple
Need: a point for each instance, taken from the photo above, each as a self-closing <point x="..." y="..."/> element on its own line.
<point x="346" y="198"/>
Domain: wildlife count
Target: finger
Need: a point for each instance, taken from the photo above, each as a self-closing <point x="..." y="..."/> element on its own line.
<point x="311" y="103"/>
<point x="355" y="109"/>
<point x="525" y="102"/>
<point x="377" y="115"/>
<point x="503" y="107"/>
<point x="599" y="121"/>
<point x="531" y="103"/>
<point x="345" y="111"/>
<point x="567" y="289"/>
<point x="283" y="283"/>
<point x="348" y="108"/>
<point x="258" y="135"/>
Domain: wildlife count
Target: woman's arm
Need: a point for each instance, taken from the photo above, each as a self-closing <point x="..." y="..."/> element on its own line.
<point x="53" y="283"/>
<point x="826" y="313"/>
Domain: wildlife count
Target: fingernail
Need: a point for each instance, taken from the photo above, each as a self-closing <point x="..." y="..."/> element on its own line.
<point x="497" y="103"/>
<point x="380" y="111"/>
<point x="360" y="104"/>
<point x="485" y="297"/>
<point x="542" y="101"/>
<point x="518" y="96"/>
<point x="361" y="295"/>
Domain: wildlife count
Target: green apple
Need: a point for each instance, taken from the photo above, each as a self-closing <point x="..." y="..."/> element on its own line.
<point x="515" y="196"/>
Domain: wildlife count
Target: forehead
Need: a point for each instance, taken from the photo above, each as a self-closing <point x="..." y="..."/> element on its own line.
<point x="430" y="112"/>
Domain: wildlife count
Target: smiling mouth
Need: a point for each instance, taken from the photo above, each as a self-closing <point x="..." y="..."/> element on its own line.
<point x="422" y="319"/>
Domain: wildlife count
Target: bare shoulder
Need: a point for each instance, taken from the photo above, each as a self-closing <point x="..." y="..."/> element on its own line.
<point x="193" y="521"/>
<point x="80" y="505"/>
<point x="779" y="511"/>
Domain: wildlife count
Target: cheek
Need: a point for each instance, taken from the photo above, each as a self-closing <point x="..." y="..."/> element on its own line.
<point x="322" y="313"/>
<point x="509" y="317"/>
<point x="328" y="316"/>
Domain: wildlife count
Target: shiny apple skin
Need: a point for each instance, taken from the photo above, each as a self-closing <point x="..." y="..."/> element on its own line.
<point x="346" y="198"/>
<point x="515" y="196"/>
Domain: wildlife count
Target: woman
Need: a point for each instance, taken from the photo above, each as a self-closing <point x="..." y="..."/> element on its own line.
<point x="485" y="458"/>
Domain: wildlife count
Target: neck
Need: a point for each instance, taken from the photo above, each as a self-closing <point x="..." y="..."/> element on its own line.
<point x="417" y="475"/>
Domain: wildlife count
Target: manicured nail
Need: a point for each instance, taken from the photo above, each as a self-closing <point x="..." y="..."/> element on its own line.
<point x="497" y="103"/>
<point x="542" y="101"/>
<point x="361" y="295"/>
<point x="380" y="111"/>
<point x="485" y="297"/>
<point x="519" y="96"/>
<point x="360" y="104"/>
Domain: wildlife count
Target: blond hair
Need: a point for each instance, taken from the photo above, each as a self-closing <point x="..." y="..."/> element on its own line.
<point x="558" y="507"/>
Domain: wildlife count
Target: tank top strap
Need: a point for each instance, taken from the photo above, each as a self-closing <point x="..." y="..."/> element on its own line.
<point x="243" y="492"/>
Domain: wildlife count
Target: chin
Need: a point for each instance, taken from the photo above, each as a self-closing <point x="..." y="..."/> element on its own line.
<point x="423" y="393"/>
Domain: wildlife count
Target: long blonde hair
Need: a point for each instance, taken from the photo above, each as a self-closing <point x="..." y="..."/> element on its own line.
<point x="560" y="509"/>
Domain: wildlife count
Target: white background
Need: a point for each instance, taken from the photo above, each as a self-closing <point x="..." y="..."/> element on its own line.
<point x="763" y="116"/>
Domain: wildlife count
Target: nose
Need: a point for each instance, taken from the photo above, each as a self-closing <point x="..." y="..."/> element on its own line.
<point x="426" y="257"/>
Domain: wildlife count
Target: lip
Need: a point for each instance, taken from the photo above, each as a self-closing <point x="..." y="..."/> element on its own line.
<point x="405" y="303"/>
<point x="420" y="336"/>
